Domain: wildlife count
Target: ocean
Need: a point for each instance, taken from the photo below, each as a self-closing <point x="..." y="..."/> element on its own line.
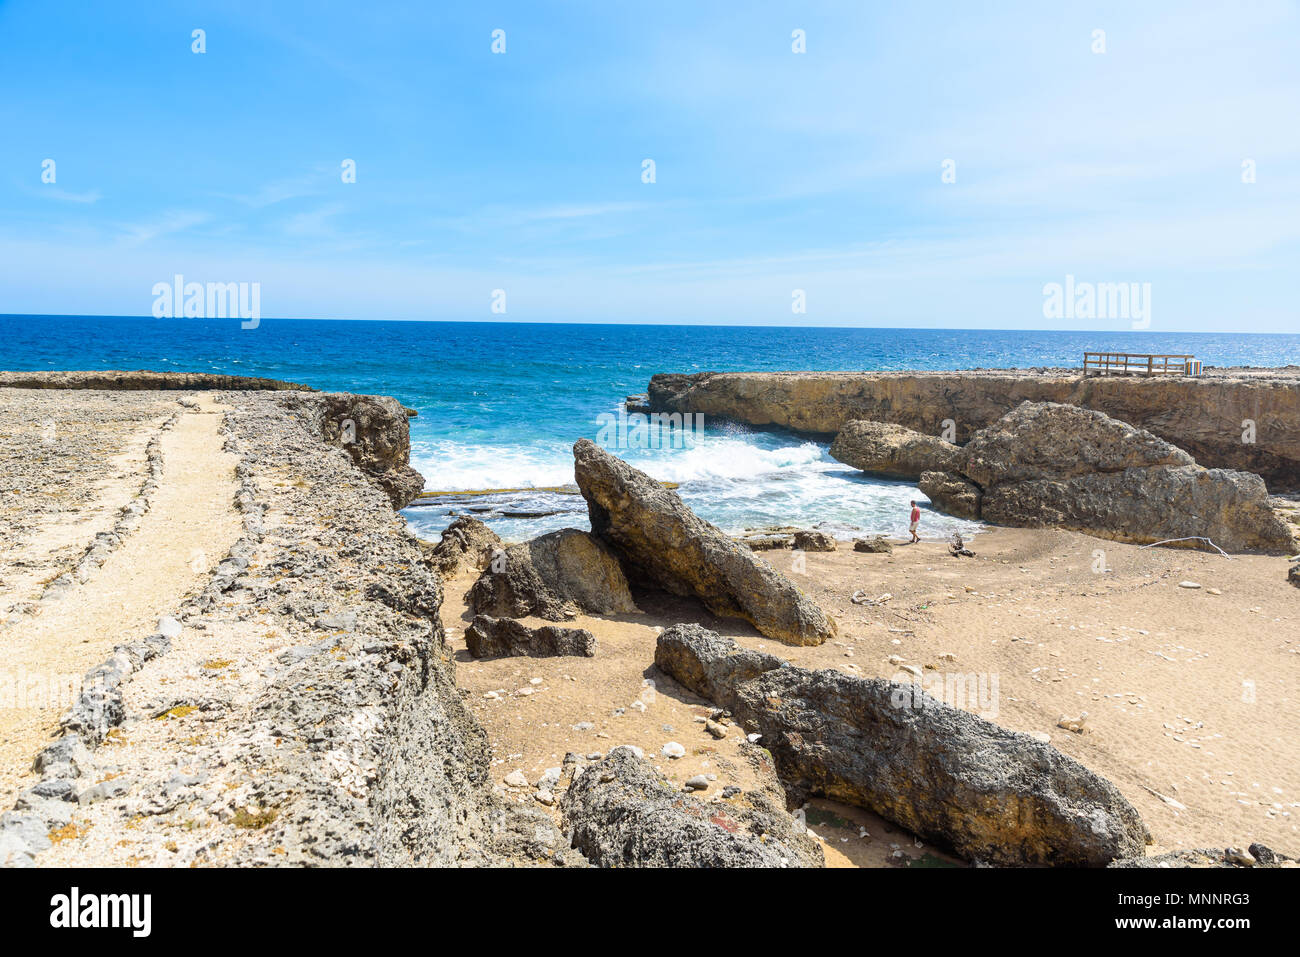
<point x="501" y="404"/>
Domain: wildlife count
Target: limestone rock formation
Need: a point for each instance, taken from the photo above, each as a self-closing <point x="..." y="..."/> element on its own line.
<point x="810" y="540"/>
<point x="553" y="576"/>
<point x="375" y="431"/>
<point x="664" y="543"/>
<point x="990" y="794"/>
<point x="1149" y="505"/>
<point x="489" y="637"/>
<point x="1048" y="440"/>
<point x="892" y="451"/>
<point x="140" y="381"/>
<point x="1051" y="465"/>
<point x="465" y="543"/>
<point x="952" y="493"/>
<point x="1201" y="415"/>
<point x="875" y="543"/>
<point x="623" y="814"/>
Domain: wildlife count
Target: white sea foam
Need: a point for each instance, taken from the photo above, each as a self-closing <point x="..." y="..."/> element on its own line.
<point x="737" y="480"/>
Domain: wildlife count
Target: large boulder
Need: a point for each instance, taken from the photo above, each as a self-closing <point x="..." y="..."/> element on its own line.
<point x="892" y="451"/>
<point x="664" y="544"/>
<point x="465" y="543"/>
<point x="811" y="540"/>
<point x="489" y="637"/>
<point x="1048" y="440"/>
<point x="951" y="493"/>
<point x="553" y="576"/>
<point x="874" y="543"/>
<point x="1148" y="505"/>
<point x="1052" y="465"/>
<point x="953" y="778"/>
<point x="621" y="813"/>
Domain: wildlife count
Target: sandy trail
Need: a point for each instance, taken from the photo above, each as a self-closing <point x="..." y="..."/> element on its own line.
<point x="189" y="528"/>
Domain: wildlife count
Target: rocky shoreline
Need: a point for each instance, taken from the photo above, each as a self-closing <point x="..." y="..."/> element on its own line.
<point x="301" y="706"/>
<point x="1246" y="419"/>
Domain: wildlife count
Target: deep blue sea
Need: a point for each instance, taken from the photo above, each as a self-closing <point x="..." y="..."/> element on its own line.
<point x="502" y="403"/>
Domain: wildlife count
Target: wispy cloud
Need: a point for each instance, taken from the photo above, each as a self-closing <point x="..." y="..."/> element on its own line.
<point x="63" y="195"/>
<point x="167" y="224"/>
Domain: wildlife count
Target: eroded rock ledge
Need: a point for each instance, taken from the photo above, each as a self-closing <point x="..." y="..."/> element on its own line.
<point x="374" y="429"/>
<point x="304" y="711"/>
<point x="140" y="380"/>
<point x="1210" y="417"/>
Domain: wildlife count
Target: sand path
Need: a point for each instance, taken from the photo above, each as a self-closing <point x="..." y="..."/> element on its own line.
<point x="190" y="527"/>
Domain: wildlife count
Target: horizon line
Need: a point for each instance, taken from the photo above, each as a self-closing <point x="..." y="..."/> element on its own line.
<point x="691" y="325"/>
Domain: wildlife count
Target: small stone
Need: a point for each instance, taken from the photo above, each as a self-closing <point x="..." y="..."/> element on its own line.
<point x="543" y="796"/>
<point x="1235" y="855"/>
<point x="697" y="783"/>
<point x="516" y="779"/>
<point x="673" y="750"/>
<point x="753" y="738"/>
<point x="550" y="777"/>
<point x="1189" y="585"/>
<point x="719" y="731"/>
<point x="169" y="627"/>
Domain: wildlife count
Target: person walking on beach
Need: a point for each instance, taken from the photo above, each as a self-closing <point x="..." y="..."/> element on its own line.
<point x="916" y="520"/>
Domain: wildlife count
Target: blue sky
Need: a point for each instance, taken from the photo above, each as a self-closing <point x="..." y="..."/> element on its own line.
<point x="775" y="171"/>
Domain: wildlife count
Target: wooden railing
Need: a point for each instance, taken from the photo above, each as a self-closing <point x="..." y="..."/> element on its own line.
<point x="1139" y="363"/>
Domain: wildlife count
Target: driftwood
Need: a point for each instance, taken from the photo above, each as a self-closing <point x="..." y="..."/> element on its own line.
<point x="958" y="547"/>
<point x="1191" y="538"/>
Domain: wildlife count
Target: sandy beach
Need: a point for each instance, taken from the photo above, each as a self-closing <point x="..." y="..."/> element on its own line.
<point x="1189" y="692"/>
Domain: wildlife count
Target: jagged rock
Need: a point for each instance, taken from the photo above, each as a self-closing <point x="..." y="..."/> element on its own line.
<point x="1259" y="856"/>
<point x="892" y="451"/>
<point x="1048" y="440"/>
<point x="488" y="637"/>
<point x="528" y="834"/>
<point x="1047" y="465"/>
<point x="948" y="776"/>
<point x="663" y="543"/>
<point x="707" y="663"/>
<point x="466" y="542"/>
<point x="876" y="543"/>
<point x="813" y="541"/>
<point x="1293" y="575"/>
<point x="951" y="493"/>
<point x="620" y="813"/>
<point x="554" y="577"/>
<point x="375" y="432"/>
<point x="764" y="543"/>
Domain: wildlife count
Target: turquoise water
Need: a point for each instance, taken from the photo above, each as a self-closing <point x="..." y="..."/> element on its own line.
<point x="501" y="404"/>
